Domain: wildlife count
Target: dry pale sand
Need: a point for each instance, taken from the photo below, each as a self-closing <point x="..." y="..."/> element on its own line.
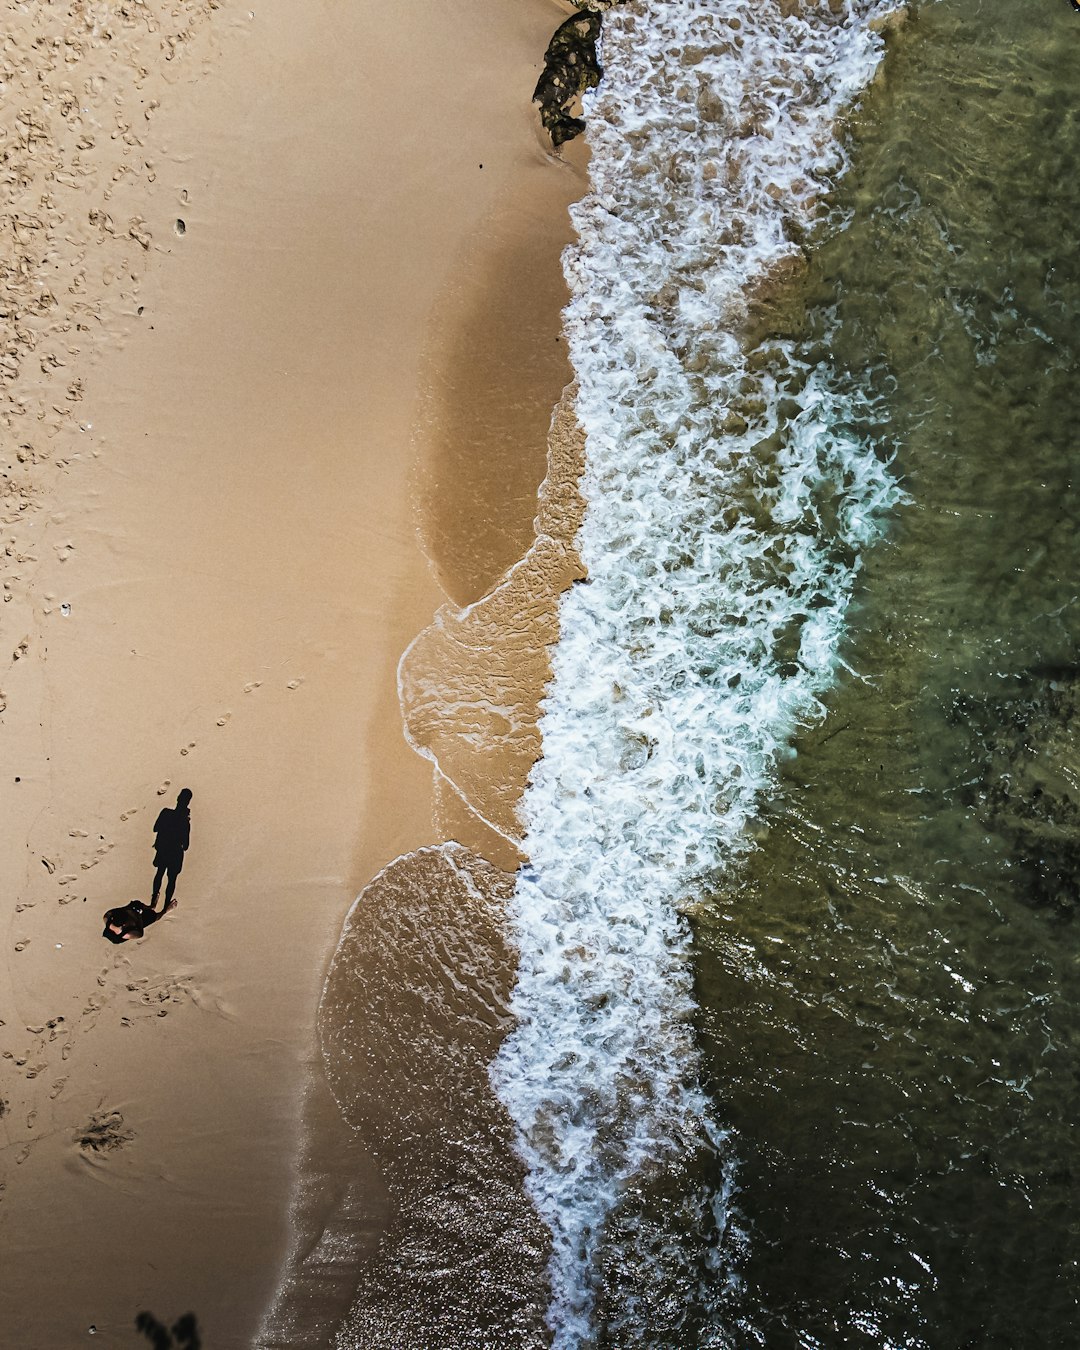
<point x="229" y="230"/>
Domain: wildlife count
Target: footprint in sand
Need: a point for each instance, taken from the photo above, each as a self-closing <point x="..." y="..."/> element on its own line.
<point x="126" y="815"/>
<point x="77" y="834"/>
<point x="224" y="719"/>
<point x="57" y="1088"/>
<point x="100" y="853"/>
<point x="28" y="904"/>
<point x="189" y="747"/>
<point x="167" y="991"/>
<point x="35" y="1069"/>
<point x="49" y="865"/>
<point x="22" y="946"/>
<point x="31" y="1119"/>
<point x="164" y="787"/>
<point x="67" y="879"/>
<point x="295" y="684"/>
<point x="250" y="688"/>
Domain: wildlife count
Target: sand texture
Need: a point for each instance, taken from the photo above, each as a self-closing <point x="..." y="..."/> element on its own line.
<point x="231" y="232"/>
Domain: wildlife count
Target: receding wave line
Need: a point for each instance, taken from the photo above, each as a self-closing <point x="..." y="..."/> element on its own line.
<point x="729" y="498"/>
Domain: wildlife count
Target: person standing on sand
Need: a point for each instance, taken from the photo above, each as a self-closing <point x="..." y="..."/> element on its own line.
<point x="172" y="831"/>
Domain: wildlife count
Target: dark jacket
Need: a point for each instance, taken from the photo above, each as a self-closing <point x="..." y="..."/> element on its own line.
<point x="133" y="918"/>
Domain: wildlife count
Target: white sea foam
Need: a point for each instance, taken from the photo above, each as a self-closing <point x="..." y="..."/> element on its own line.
<point x="728" y="504"/>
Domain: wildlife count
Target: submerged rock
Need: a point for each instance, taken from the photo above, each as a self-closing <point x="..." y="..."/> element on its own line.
<point x="570" y="67"/>
<point x="1030" y="792"/>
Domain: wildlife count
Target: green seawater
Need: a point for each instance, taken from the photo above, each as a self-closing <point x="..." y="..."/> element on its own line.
<point x="890" y="985"/>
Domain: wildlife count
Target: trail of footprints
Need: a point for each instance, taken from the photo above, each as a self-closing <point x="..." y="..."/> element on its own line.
<point x="146" y="997"/>
<point x="224" y="720"/>
<point x="150" y="998"/>
<point x="66" y="881"/>
<point x="34" y="1061"/>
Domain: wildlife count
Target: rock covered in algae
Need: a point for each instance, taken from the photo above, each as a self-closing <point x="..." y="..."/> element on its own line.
<point x="570" y="67"/>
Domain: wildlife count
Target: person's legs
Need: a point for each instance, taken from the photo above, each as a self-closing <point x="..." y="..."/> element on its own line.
<point x="157" y="885"/>
<point x="174" y="872"/>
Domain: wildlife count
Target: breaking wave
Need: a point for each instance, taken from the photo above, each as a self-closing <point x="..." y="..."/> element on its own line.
<point x="731" y="492"/>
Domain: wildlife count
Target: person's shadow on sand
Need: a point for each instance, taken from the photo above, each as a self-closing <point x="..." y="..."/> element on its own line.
<point x="172" y="832"/>
<point x="183" y="1336"/>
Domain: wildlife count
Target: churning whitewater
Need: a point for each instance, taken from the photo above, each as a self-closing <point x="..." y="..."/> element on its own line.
<point x="729" y="500"/>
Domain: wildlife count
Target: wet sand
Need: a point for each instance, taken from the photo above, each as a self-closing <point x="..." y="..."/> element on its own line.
<point x="233" y="234"/>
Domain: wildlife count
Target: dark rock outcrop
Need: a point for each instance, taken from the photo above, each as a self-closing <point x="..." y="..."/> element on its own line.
<point x="570" y="67"/>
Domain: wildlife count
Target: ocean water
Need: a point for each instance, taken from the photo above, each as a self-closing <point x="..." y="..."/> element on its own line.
<point x="793" y="1056"/>
<point x="887" y="986"/>
<point x="771" y="1041"/>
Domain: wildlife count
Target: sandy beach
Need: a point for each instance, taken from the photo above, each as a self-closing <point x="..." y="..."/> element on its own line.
<point x="247" y="247"/>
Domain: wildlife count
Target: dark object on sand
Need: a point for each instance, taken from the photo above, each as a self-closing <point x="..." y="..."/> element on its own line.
<point x="184" y="1334"/>
<point x="172" y="831"/>
<point x="570" y="67"/>
<point x="104" y="1132"/>
<point x="132" y="920"/>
